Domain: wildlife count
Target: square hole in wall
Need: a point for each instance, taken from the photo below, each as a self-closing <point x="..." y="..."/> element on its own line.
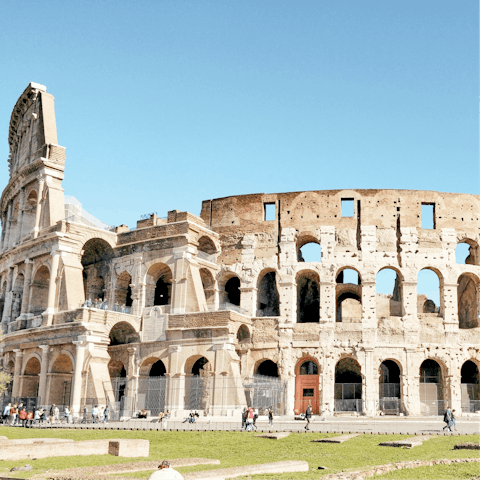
<point x="348" y="207"/>
<point x="268" y="211"/>
<point x="428" y="216"/>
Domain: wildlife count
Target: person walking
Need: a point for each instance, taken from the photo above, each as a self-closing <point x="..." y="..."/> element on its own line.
<point x="447" y="418"/>
<point x="106" y="414"/>
<point x="244" y="417"/>
<point x="67" y="414"/>
<point x="13" y="414"/>
<point x="94" y="414"/>
<point x="308" y="416"/>
<point x="270" y="417"/>
<point x="52" y="412"/>
<point x="250" y="417"/>
<point x="85" y="412"/>
<point x="454" y="423"/>
<point x="6" y="413"/>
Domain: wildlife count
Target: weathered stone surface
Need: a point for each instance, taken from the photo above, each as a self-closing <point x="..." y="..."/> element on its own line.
<point x="339" y="439"/>
<point x="274" y="435"/>
<point x="407" y="442"/>
<point x="467" y="446"/>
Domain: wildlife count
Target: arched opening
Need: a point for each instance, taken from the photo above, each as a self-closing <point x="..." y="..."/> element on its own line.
<point x="6" y="397"/>
<point x="118" y="378"/>
<point x="198" y="385"/>
<point x="348" y="296"/>
<point x="158" y="369"/>
<point x="61" y="380"/>
<point x="268" y="304"/>
<point x="308" y="249"/>
<point x="39" y="291"/>
<point x="122" y="333"/>
<point x="2" y="298"/>
<point x="95" y="260"/>
<point x="466" y="252"/>
<point x="29" y="211"/>
<point x="31" y="378"/>
<point x="307" y="390"/>
<point x="470" y="387"/>
<point x="208" y="284"/>
<point x="389" y="388"/>
<point x="155" y="398"/>
<point x="232" y="291"/>
<point x="267" y="368"/>
<point x="243" y="334"/>
<point x="17" y="296"/>
<point x="206" y="245"/>
<point x="123" y="290"/>
<point x="308" y="298"/>
<point x="348" y="386"/>
<point x="158" y="285"/>
<point x="389" y="293"/>
<point x="467" y="297"/>
<point x="431" y="388"/>
<point x="428" y="292"/>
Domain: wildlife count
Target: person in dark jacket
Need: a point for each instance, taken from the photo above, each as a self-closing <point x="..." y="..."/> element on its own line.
<point x="308" y="416"/>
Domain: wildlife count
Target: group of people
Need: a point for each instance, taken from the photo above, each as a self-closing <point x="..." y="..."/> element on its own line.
<point x="192" y="417"/>
<point x="449" y="419"/>
<point x="99" y="414"/>
<point x="103" y="305"/>
<point x="163" y="415"/>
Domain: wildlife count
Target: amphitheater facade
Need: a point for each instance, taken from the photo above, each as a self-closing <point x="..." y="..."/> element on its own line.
<point x="221" y="310"/>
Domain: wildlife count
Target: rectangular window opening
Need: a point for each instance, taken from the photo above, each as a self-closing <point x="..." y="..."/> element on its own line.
<point x="269" y="211"/>
<point x="428" y="216"/>
<point x="348" y="207"/>
<point x="308" y="392"/>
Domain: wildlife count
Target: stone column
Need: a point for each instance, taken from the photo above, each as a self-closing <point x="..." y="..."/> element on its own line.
<point x="288" y="300"/>
<point x="8" y="300"/>
<point x="21" y="205"/>
<point x="409" y="297"/>
<point x="16" y="374"/>
<point x="181" y="256"/>
<point x="77" y="377"/>
<point x="327" y="303"/>
<point x="449" y="304"/>
<point x="42" y="392"/>
<point x="7" y="227"/>
<point x="132" y="382"/>
<point x="138" y="287"/>
<point x="327" y="382"/>
<point x="411" y="384"/>
<point x="52" y="288"/>
<point x="248" y="300"/>
<point x="26" y="286"/>
<point x="370" y="392"/>
<point x="369" y="305"/>
<point x="38" y="211"/>
<point x="176" y="382"/>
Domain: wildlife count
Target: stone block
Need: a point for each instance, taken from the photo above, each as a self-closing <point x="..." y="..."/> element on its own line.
<point x="129" y="448"/>
<point x="339" y="439"/>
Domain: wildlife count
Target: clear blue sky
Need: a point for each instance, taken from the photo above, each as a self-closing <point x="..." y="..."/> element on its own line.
<point x="162" y="104"/>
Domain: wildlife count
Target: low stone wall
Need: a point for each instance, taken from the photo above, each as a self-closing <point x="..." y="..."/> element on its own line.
<point x="46" y="447"/>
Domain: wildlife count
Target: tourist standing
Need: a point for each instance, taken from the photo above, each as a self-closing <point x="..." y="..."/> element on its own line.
<point x="308" y="416"/>
<point x="6" y="413"/>
<point x="106" y="414"/>
<point x="95" y="414"/>
<point x="270" y="417"/>
<point x="56" y="413"/>
<point x="67" y="414"/>
<point x="85" y="411"/>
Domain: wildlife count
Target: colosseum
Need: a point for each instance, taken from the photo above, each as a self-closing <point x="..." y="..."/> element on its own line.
<point x="262" y="300"/>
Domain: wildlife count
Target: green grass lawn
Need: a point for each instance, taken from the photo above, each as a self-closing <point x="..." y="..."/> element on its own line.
<point x="241" y="448"/>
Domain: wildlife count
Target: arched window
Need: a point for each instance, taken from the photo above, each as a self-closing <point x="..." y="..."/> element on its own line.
<point x="95" y="261"/>
<point x="268" y="304"/>
<point x="310" y="252"/>
<point x="308" y="368"/>
<point x="123" y="291"/>
<point x="428" y="292"/>
<point x="389" y="293"/>
<point x="267" y="368"/>
<point x="232" y="291"/>
<point x="158" y="369"/>
<point x="208" y="284"/>
<point x="466" y="252"/>
<point x="243" y="334"/>
<point x="470" y="387"/>
<point x="308" y="298"/>
<point x="31" y="378"/>
<point x="390" y="387"/>
<point x="348" y="386"/>
<point x="123" y="333"/>
<point x="39" y="291"/>
<point x="61" y="381"/>
<point x="467" y="297"/>
<point x="206" y="245"/>
<point x="431" y="388"/>
<point x="158" y="285"/>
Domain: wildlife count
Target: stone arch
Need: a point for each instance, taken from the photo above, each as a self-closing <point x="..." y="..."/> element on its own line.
<point x="29" y="211"/>
<point x="268" y="301"/>
<point x="390" y="374"/>
<point x="426" y="288"/>
<point x="470" y="387"/>
<point x="17" y="295"/>
<point x="208" y="284"/>
<point x="207" y="245"/>
<point x="243" y="334"/>
<point x="432" y="387"/>
<point x="97" y="253"/>
<point x="266" y="368"/>
<point x="122" y="333"/>
<point x="61" y="373"/>
<point x="472" y="256"/>
<point x="116" y="369"/>
<point x="306" y="239"/>
<point x="195" y="363"/>
<point x="39" y="290"/>
<point x="158" y="285"/>
<point x="31" y="372"/>
<point x="308" y="296"/>
<point x="389" y="303"/>
<point x="468" y="300"/>
<point x="348" y="385"/>
<point x="123" y="290"/>
<point x="231" y="290"/>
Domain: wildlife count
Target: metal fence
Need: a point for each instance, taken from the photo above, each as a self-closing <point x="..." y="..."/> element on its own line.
<point x="264" y="392"/>
<point x="432" y="407"/>
<point x="350" y="405"/>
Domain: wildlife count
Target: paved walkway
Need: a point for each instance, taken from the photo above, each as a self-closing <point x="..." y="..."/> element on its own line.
<point x="399" y="425"/>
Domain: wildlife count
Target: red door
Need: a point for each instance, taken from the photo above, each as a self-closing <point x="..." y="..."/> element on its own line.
<point x="306" y="386"/>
